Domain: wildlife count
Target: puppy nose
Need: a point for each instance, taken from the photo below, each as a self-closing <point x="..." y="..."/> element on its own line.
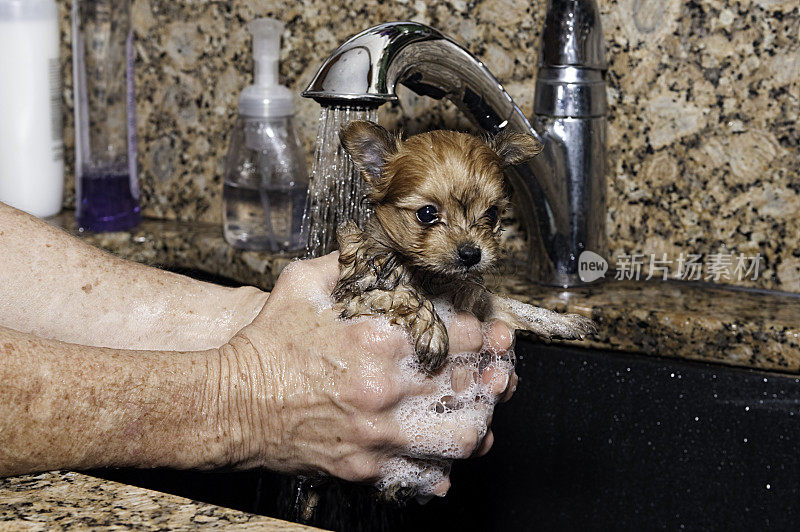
<point x="469" y="255"/>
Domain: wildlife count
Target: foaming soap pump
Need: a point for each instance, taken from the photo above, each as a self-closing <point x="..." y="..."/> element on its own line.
<point x="266" y="184"/>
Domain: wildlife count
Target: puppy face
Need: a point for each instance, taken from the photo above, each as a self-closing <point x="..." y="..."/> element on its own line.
<point x="438" y="196"/>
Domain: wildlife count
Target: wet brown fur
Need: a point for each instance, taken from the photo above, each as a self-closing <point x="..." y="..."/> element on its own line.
<point x="396" y="265"/>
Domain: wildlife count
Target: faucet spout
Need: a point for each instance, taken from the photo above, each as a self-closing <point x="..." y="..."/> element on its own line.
<point x="365" y="71"/>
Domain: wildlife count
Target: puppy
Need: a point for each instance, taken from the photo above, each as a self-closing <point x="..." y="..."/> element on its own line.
<point x="438" y="198"/>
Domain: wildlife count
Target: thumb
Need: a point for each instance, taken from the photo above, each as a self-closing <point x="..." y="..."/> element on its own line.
<point x="309" y="276"/>
<point x="327" y="271"/>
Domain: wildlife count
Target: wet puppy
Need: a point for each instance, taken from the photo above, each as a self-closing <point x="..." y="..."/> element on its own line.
<point x="438" y="198"/>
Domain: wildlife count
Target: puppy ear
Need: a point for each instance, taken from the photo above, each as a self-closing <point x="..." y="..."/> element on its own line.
<point x="370" y="146"/>
<point x="515" y="148"/>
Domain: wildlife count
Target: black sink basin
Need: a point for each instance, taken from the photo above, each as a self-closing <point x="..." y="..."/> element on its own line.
<point x="607" y="441"/>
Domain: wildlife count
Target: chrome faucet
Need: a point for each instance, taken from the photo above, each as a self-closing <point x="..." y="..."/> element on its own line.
<point x="560" y="193"/>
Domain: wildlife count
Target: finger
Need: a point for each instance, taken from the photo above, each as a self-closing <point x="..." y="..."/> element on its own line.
<point x="510" y="389"/>
<point x="496" y="379"/>
<point x="379" y="337"/>
<point x="424" y="387"/>
<point x="379" y="434"/>
<point x="441" y="489"/>
<point x="462" y="378"/>
<point x="327" y="268"/>
<point x="465" y="334"/>
<point x="437" y="438"/>
<point x="304" y="277"/>
<point x="486" y="444"/>
<point x="499" y="337"/>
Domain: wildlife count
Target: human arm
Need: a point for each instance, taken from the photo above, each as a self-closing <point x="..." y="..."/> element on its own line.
<point x="72" y="406"/>
<point x="55" y="286"/>
<point x="297" y="390"/>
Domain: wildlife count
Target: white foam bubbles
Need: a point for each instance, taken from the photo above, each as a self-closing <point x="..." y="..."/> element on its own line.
<point x="450" y="422"/>
<point x="445" y="310"/>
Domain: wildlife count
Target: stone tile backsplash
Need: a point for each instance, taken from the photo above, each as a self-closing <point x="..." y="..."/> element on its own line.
<point x="703" y="130"/>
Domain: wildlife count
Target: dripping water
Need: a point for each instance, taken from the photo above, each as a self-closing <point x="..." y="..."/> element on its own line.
<point x="336" y="191"/>
<point x="336" y="195"/>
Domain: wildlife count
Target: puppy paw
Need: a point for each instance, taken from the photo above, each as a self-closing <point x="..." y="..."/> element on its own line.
<point x="544" y="322"/>
<point x="562" y="326"/>
<point x="432" y="346"/>
<point x="351" y="308"/>
<point x="575" y="326"/>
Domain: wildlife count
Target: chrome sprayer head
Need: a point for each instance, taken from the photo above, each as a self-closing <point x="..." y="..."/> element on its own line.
<point x="357" y="73"/>
<point x="365" y="71"/>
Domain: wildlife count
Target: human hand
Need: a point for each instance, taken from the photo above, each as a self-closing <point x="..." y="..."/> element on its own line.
<point x="318" y="395"/>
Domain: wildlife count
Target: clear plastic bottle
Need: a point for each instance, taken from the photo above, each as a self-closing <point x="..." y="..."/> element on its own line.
<point x="266" y="183"/>
<point x="106" y="184"/>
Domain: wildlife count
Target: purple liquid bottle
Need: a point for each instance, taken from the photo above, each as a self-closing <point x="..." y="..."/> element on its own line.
<point x="106" y="186"/>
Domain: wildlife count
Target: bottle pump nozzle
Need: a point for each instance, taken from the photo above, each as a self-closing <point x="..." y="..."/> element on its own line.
<point x="266" y="49"/>
<point x="265" y="97"/>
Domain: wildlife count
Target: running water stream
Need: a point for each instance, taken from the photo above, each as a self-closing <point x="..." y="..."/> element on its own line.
<point x="336" y="195"/>
<point x="336" y="191"/>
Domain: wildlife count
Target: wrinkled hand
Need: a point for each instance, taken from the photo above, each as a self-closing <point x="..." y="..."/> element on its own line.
<point x="315" y="394"/>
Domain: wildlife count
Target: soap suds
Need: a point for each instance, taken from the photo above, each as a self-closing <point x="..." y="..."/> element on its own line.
<point x="449" y="423"/>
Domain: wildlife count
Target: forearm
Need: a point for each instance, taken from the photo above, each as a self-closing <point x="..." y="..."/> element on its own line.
<point x="55" y="286"/>
<point x="70" y="406"/>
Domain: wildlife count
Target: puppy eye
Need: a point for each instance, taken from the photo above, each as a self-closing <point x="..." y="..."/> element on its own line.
<point x="491" y="215"/>
<point x="427" y="214"/>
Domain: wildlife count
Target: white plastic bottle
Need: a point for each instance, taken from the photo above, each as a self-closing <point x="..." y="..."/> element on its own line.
<point x="266" y="184"/>
<point x="31" y="147"/>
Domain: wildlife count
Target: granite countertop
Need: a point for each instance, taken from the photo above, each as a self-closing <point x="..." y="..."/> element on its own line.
<point x="69" y="500"/>
<point x="735" y="326"/>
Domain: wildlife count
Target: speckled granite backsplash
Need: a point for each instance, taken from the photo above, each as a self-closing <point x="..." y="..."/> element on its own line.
<point x="704" y="99"/>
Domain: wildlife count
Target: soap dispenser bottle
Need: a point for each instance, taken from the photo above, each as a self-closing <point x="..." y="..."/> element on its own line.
<point x="266" y="184"/>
